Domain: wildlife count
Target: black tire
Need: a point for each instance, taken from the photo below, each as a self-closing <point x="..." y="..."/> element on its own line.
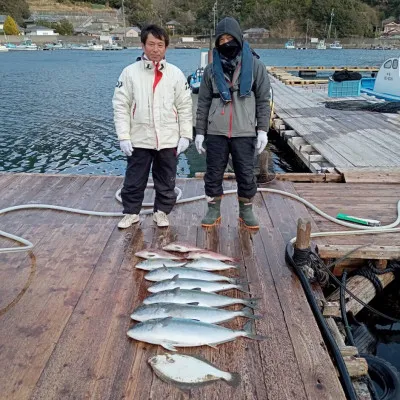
<point x="385" y="377"/>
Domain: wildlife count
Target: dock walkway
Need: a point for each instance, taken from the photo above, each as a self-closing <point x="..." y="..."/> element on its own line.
<point x="64" y="307"/>
<point x="326" y="138"/>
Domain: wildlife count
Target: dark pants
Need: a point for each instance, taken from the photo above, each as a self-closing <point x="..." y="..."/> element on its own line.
<point x="136" y="176"/>
<point x="242" y="150"/>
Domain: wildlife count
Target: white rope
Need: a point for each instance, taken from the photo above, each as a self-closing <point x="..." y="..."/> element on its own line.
<point x="361" y="229"/>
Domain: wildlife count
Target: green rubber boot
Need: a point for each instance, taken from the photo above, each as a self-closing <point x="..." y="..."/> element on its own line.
<point x="246" y="214"/>
<point x="213" y="216"/>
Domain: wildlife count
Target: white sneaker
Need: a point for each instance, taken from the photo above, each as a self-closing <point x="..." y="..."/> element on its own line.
<point x="128" y="220"/>
<point x="161" y="219"/>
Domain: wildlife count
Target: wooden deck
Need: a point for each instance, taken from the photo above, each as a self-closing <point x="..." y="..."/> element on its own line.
<point x="64" y="307"/>
<point x="335" y="138"/>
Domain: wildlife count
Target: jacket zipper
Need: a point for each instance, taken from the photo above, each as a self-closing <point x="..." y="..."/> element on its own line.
<point x="176" y="116"/>
<point x="230" y="118"/>
<point x="133" y="111"/>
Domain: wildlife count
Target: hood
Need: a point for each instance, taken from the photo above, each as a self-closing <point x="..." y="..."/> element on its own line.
<point x="231" y="27"/>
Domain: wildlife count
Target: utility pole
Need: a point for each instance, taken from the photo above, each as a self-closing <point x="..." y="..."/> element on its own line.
<point x="123" y="17"/>
<point x="330" y="24"/>
<point x="307" y="31"/>
<point x="215" y="12"/>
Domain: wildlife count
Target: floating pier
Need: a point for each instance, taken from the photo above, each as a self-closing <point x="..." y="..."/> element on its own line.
<point x="65" y="306"/>
<point x="328" y="139"/>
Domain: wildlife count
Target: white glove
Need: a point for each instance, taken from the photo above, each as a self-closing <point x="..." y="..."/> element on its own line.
<point x="262" y="141"/>
<point x="199" y="143"/>
<point x="126" y="147"/>
<point x="183" y="144"/>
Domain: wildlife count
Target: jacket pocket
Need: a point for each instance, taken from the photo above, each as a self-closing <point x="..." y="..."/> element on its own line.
<point x="141" y="113"/>
<point x="213" y="110"/>
<point x="218" y="120"/>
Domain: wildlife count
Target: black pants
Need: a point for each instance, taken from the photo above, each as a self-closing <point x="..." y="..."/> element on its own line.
<point x="136" y="176"/>
<point x="242" y="150"/>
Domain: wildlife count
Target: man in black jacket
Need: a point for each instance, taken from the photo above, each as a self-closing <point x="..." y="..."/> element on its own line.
<point x="233" y="112"/>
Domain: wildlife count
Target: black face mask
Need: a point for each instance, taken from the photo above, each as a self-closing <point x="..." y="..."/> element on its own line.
<point x="229" y="49"/>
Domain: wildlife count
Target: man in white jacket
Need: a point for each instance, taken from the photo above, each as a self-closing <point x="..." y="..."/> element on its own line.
<point x="153" y="120"/>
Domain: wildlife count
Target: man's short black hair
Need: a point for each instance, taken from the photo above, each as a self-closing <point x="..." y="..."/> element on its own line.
<point x="156" y="31"/>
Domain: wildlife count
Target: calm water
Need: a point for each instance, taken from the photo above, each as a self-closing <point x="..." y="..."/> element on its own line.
<point x="56" y="115"/>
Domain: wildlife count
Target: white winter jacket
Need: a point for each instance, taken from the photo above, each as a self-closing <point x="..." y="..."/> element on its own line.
<point x="152" y="105"/>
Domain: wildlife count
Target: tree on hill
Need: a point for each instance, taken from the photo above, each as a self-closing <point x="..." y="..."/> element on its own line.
<point x="18" y="9"/>
<point x="10" y="26"/>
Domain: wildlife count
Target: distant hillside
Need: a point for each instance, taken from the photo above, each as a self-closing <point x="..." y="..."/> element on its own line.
<point x="56" y="7"/>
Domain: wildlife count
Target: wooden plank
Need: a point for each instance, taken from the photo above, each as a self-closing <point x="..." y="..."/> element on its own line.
<point x="356" y="366"/>
<point x="370" y="252"/>
<point x="273" y="324"/>
<point x="309" y="177"/>
<point x="319" y="378"/>
<point x="371" y="175"/>
<point x="363" y="289"/>
<point x="30" y="332"/>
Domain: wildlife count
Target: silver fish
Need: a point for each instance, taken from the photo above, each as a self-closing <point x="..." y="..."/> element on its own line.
<point x="194" y="255"/>
<point x="176" y="332"/>
<point x="205" y="286"/>
<point x="189" y="371"/>
<point x="181" y="247"/>
<point x="149" y="265"/>
<point x="150" y="254"/>
<point x="189" y="311"/>
<point x="208" y="264"/>
<point x="182" y="296"/>
<point x="161" y="274"/>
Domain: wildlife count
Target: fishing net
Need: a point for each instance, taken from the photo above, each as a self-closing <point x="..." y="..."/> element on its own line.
<point x="364" y="105"/>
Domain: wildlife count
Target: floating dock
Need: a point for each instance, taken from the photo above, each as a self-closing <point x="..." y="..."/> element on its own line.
<point x="65" y="306"/>
<point x="326" y="139"/>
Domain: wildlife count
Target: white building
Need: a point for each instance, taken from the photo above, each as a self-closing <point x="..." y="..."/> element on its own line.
<point x="40" y="31"/>
<point x="2" y="20"/>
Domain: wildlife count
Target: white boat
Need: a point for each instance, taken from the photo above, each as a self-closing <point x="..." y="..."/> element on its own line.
<point x="321" y="45"/>
<point x="386" y="85"/>
<point x="336" y="45"/>
<point x="290" y="44"/>
<point x="90" y="45"/>
<point x="25" y="46"/>
<point x="3" y="48"/>
<point x="112" y="46"/>
<point x="54" y="46"/>
<point x="95" y="47"/>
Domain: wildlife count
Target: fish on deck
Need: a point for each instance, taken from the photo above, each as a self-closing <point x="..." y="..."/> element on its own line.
<point x="177" y="332"/>
<point x="189" y="311"/>
<point x="189" y="371"/>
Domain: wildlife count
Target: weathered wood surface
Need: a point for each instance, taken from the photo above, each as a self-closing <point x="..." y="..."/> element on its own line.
<point x="369" y="252"/>
<point x="345" y="138"/>
<point x="363" y="288"/>
<point x="371" y="175"/>
<point x="64" y="308"/>
<point x="373" y="201"/>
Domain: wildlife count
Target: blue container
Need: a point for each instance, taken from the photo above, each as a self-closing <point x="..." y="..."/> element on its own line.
<point x="344" y="89"/>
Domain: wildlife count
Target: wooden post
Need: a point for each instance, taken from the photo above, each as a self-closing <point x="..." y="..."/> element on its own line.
<point x="356" y="366"/>
<point x="344" y="350"/>
<point x="303" y="238"/>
